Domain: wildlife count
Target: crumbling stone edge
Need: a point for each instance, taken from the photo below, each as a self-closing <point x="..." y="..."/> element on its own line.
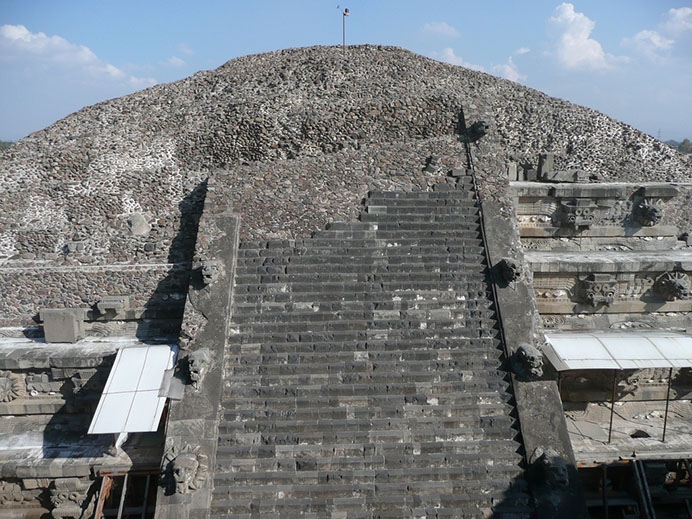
<point x="541" y="418"/>
<point x="192" y="428"/>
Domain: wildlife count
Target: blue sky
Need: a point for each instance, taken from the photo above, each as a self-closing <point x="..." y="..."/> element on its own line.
<point x="631" y="59"/>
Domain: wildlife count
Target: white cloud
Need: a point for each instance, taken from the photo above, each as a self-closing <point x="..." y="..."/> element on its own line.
<point x="650" y="43"/>
<point x="36" y="50"/>
<point x="448" y="55"/>
<point x="678" y="20"/>
<point x="509" y="71"/>
<point x="575" y="49"/>
<point x="522" y="50"/>
<point x="440" y="29"/>
<point x="185" y="49"/>
<point x="175" y="61"/>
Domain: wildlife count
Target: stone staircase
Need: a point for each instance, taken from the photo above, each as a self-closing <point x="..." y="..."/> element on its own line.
<point x="364" y="374"/>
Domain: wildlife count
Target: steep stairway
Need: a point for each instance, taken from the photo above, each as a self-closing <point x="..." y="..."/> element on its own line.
<point x="364" y="374"/>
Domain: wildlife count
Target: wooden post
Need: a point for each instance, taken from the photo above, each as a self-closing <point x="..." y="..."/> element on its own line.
<point x="665" y="417"/>
<point x="612" y="404"/>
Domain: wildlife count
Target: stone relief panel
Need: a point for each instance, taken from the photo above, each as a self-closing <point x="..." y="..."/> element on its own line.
<point x="10" y="386"/>
<point x="20" y="387"/>
<point x="618" y="292"/>
<point x="70" y="499"/>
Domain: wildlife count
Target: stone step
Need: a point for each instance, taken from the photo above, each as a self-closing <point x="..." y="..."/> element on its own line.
<point x="364" y="390"/>
<point x="238" y="337"/>
<point x="279" y="440"/>
<point x="434" y="500"/>
<point x="432" y="313"/>
<point x="400" y="235"/>
<point x="459" y="481"/>
<point x="343" y="296"/>
<point x="468" y="255"/>
<point x="473" y="426"/>
<point x="436" y="505"/>
<point x="419" y="195"/>
<point x="373" y="326"/>
<point x="461" y="350"/>
<point x="404" y="226"/>
<point x="454" y="209"/>
<point x="299" y="363"/>
<point x="458" y="219"/>
<point x="498" y="408"/>
<point x="384" y="267"/>
<point x="448" y="303"/>
<point x="364" y="276"/>
<point x="484" y="396"/>
<point x="462" y="202"/>
<point x="233" y="483"/>
<point x="357" y="362"/>
<point x="335" y="244"/>
<point x="474" y="449"/>
<point x="332" y="377"/>
<point x="345" y="286"/>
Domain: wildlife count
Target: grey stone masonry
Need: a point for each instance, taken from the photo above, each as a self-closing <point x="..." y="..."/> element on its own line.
<point x="364" y="373"/>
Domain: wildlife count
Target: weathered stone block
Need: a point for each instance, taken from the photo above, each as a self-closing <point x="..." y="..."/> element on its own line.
<point x="63" y="324"/>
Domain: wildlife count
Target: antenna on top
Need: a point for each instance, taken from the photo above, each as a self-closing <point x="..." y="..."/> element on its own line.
<point x="344" y="14"/>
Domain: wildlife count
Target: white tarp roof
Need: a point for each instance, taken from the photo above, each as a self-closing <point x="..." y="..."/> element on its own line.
<point x="618" y="350"/>
<point x="130" y="401"/>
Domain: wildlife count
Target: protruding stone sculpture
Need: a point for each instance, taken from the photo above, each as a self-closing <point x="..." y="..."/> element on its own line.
<point x="551" y="468"/>
<point x="508" y="270"/>
<point x="476" y="131"/>
<point x="69" y="499"/>
<point x="673" y="285"/>
<point x="185" y="471"/>
<point x="211" y="271"/>
<point x="599" y="289"/>
<point x="198" y="364"/>
<point x="579" y="213"/>
<point x="189" y="473"/>
<point x="648" y="212"/>
<point x="527" y="362"/>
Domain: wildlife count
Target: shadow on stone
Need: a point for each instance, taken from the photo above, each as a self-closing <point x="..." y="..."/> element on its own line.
<point x="167" y="303"/>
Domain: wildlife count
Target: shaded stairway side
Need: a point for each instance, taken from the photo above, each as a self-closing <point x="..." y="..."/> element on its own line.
<point x="364" y="373"/>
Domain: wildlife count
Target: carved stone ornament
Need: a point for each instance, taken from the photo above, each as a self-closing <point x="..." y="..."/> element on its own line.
<point x="10" y="493"/>
<point x="673" y="285"/>
<point x="476" y="131"/>
<point x="579" y="213"/>
<point x="648" y="212"/>
<point x="69" y="497"/>
<point x="211" y="271"/>
<point x="508" y="270"/>
<point x="527" y="362"/>
<point x="198" y="363"/>
<point x="551" y="468"/>
<point x="599" y="289"/>
<point x="10" y="386"/>
<point x="185" y="471"/>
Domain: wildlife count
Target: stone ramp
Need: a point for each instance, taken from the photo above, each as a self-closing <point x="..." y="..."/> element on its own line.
<point x="364" y="373"/>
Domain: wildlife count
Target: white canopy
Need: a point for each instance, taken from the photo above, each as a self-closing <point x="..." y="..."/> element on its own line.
<point x="618" y="350"/>
<point x="130" y="401"/>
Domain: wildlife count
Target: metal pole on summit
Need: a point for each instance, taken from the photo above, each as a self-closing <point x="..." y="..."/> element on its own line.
<point x="344" y="14"/>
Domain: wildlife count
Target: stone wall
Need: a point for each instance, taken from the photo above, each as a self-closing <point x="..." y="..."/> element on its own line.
<point x="26" y="290"/>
